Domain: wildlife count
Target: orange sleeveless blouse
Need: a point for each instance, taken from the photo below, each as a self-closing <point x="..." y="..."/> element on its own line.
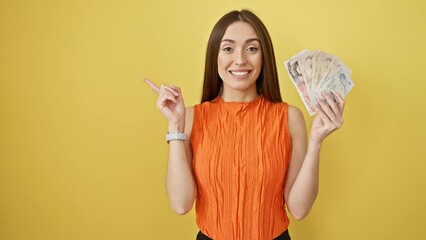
<point x="241" y="153"/>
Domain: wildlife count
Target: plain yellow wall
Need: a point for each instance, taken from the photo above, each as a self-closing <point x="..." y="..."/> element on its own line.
<point x="82" y="145"/>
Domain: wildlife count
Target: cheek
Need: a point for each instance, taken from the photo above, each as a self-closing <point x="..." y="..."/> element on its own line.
<point x="221" y="60"/>
<point x="259" y="60"/>
<point x="256" y="60"/>
<point x="258" y="64"/>
<point x="221" y="66"/>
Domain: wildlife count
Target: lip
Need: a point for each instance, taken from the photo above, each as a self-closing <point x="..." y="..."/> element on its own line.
<point x="240" y="70"/>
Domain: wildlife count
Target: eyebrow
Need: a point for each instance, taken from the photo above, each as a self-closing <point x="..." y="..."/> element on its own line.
<point x="247" y="41"/>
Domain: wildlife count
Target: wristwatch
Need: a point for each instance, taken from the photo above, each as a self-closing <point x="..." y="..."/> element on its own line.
<point x="176" y="136"/>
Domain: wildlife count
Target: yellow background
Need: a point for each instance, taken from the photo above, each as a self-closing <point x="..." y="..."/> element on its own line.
<point x="82" y="144"/>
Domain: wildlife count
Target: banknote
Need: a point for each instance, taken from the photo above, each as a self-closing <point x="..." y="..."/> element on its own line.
<point x="321" y="63"/>
<point x="295" y="71"/>
<point x="313" y="72"/>
<point x="340" y="82"/>
<point x="306" y="67"/>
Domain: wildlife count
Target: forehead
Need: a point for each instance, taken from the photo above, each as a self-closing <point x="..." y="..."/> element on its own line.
<point x="240" y="31"/>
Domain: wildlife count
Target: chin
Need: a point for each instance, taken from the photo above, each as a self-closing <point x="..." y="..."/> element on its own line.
<point x="242" y="86"/>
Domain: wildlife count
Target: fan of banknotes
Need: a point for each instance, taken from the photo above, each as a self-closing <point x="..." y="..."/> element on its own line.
<point x="315" y="71"/>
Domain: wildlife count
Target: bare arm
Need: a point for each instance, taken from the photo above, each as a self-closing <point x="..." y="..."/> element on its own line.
<point x="180" y="182"/>
<point x="302" y="183"/>
<point x="302" y="180"/>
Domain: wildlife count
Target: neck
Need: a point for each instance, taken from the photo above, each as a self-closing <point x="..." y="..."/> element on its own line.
<point x="239" y="96"/>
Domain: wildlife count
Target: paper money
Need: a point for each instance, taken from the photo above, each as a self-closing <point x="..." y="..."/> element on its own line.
<point x="315" y="71"/>
<point x="295" y="72"/>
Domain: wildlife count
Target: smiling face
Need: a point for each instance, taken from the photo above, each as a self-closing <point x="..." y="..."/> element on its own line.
<point x="240" y="59"/>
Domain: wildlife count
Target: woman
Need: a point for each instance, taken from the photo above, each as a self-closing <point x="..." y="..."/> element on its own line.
<point x="242" y="154"/>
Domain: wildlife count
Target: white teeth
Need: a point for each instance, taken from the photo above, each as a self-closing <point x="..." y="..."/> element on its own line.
<point x="239" y="73"/>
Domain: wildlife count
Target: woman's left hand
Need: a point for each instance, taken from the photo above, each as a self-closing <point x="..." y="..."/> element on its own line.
<point x="329" y="116"/>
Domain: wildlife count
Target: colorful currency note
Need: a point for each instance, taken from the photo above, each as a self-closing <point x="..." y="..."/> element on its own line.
<point x="315" y="71"/>
<point x="295" y="70"/>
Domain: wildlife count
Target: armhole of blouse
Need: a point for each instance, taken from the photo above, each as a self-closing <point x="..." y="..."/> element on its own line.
<point x="286" y="120"/>
<point x="288" y="133"/>
<point x="194" y="126"/>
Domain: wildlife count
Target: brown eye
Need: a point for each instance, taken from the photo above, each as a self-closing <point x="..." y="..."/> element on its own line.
<point x="252" y="49"/>
<point x="227" y="49"/>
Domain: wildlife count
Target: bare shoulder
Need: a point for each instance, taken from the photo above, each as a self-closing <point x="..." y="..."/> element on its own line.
<point x="296" y="120"/>
<point x="189" y="119"/>
<point x="294" y="112"/>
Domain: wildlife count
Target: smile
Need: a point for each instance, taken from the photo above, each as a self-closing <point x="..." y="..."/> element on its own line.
<point x="239" y="73"/>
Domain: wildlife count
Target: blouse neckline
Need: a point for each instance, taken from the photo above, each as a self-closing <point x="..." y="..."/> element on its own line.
<point x="220" y="100"/>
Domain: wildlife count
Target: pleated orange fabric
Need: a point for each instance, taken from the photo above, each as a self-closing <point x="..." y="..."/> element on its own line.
<point x="241" y="153"/>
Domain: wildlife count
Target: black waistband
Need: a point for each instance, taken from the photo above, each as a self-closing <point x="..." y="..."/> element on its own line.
<point x="284" y="236"/>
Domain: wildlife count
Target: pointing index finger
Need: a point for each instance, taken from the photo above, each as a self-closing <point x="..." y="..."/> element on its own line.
<point x="152" y="85"/>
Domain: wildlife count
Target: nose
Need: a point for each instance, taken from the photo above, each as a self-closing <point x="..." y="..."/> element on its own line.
<point x="240" y="57"/>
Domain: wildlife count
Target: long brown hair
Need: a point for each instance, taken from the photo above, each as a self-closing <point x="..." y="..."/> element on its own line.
<point x="267" y="83"/>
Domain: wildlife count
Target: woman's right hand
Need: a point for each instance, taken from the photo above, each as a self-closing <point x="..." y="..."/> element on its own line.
<point x="170" y="103"/>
